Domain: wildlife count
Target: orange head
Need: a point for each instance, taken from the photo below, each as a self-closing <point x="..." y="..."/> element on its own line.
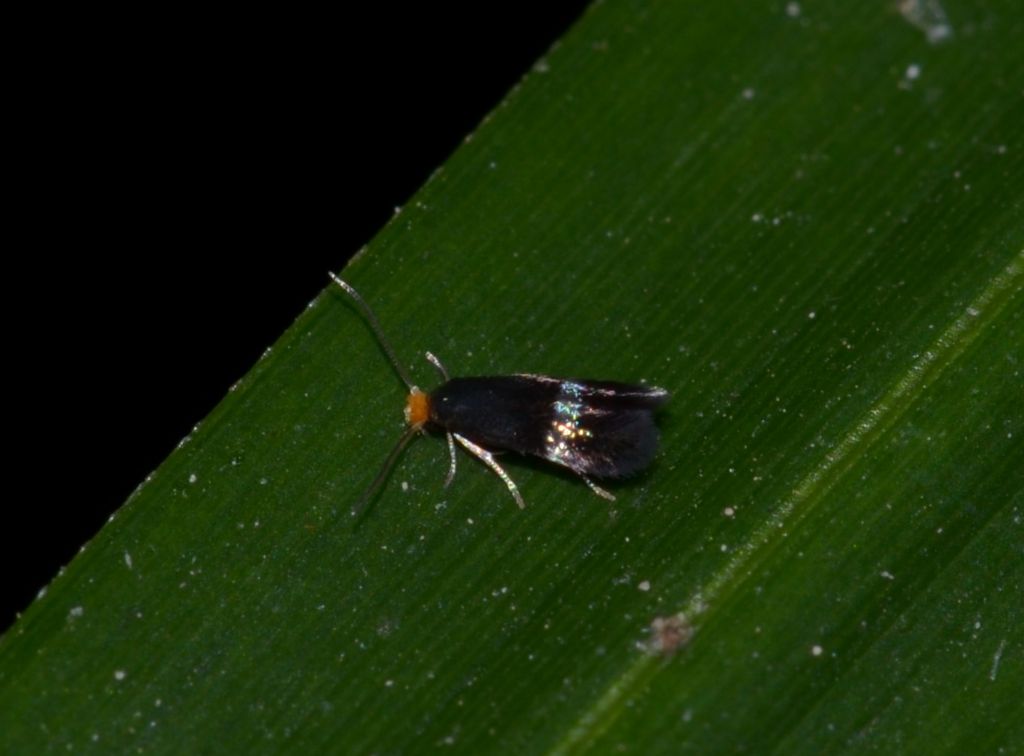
<point x="417" y="408"/>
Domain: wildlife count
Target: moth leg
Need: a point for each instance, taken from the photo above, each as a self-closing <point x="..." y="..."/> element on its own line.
<point x="596" y="488"/>
<point x="451" y="466"/>
<point x="437" y="363"/>
<point x="488" y="459"/>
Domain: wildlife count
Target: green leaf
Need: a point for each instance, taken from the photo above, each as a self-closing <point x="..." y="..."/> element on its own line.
<point x="806" y="222"/>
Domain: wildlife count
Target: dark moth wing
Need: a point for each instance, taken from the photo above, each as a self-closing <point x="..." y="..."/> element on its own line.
<point x="604" y="428"/>
<point x="601" y="428"/>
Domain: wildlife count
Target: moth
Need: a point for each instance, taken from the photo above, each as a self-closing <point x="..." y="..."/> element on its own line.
<point x="596" y="429"/>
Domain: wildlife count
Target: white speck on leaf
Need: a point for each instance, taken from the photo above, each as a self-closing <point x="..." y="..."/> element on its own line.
<point x="996" y="659"/>
<point x="929" y="17"/>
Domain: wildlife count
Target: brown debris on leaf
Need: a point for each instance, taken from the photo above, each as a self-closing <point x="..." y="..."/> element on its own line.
<point x="668" y="634"/>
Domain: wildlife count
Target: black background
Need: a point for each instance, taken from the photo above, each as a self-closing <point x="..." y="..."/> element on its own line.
<point x="187" y="183"/>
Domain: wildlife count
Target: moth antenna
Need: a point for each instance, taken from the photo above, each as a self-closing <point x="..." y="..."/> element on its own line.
<point x="377" y="330"/>
<point x="437" y="363"/>
<point x="361" y="506"/>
